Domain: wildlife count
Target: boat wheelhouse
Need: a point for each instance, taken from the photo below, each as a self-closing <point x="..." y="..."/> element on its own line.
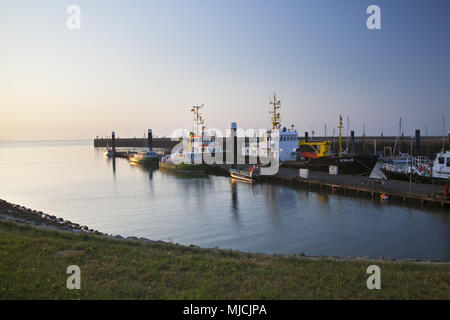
<point x="278" y="142"/>
<point x="441" y="166"/>
<point x="188" y="156"/>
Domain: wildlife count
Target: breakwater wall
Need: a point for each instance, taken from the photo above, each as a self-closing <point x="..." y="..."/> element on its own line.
<point x="167" y="143"/>
<point x="416" y="145"/>
<point x="422" y="145"/>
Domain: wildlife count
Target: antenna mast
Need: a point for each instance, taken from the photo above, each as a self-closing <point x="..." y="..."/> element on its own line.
<point x="399" y="133"/>
<point x="348" y="131"/>
<point x="443" y="133"/>
<point x="364" y="137"/>
<point x="198" y="121"/>
<point x="276" y="104"/>
<point x="340" y="135"/>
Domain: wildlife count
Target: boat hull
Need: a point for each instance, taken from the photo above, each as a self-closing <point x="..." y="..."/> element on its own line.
<point x="145" y="161"/>
<point x="414" y="177"/>
<point x="241" y="177"/>
<point x="183" y="167"/>
<point x="348" y="164"/>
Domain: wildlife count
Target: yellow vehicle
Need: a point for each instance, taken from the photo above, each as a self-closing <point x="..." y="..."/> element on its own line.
<point x="317" y="149"/>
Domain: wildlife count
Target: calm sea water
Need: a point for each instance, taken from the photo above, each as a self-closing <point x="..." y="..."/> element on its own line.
<point x="74" y="181"/>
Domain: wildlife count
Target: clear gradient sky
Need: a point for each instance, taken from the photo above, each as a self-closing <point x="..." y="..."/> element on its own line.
<point x="141" y="64"/>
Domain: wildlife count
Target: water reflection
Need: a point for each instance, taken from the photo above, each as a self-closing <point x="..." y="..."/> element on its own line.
<point x="271" y="197"/>
<point x="76" y="183"/>
<point x="234" y="200"/>
<point x="114" y="166"/>
<point x="182" y="174"/>
<point x="145" y="168"/>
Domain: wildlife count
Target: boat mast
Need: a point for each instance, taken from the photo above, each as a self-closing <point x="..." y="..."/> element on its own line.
<point x="348" y="130"/>
<point x="334" y="141"/>
<point x="198" y="122"/>
<point x="364" y="137"/>
<point x="340" y="135"/>
<point x="197" y="118"/>
<point x="399" y="133"/>
<point x="276" y="104"/>
<point x="443" y="133"/>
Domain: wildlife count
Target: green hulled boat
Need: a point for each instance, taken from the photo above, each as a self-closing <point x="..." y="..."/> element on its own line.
<point x="183" y="167"/>
<point x="189" y="157"/>
<point x="147" y="157"/>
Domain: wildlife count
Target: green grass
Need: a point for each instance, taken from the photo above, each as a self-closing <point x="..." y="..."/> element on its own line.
<point x="33" y="265"/>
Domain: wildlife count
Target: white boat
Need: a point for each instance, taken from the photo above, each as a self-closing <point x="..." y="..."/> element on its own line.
<point x="189" y="155"/>
<point x="421" y="169"/>
<point x="108" y="153"/>
<point x="145" y="157"/>
<point x="441" y="166"/>
<point x="248" y="176"/>
<point x="281" y="143"/>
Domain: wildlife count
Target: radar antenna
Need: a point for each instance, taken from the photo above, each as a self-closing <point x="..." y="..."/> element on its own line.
<point x="198" y="121"/>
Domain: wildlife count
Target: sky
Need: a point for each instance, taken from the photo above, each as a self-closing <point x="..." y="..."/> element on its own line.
<point x="135" y="65"/>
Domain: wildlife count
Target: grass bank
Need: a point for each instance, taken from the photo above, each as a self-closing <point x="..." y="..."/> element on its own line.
<point x="33" y="265"/>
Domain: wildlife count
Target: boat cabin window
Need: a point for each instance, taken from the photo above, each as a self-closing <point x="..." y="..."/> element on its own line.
<point x="441" y="160"/>
<point x="448" y="162"/>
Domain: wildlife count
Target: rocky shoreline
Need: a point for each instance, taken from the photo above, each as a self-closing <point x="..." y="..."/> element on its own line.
<point x="20" y="214"/>
<point x="23" y="215"/>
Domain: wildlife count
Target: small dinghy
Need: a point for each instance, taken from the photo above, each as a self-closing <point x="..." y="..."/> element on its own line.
<point x="249" y="176"/>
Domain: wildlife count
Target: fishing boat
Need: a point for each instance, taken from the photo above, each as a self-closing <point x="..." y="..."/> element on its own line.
<point x="188" y="155"/>
<point x="108" y="153"/>
<point x="248" y="176"/>
<point x="441" y="166"/>
<point x="278" y="142"/>
<point x="168" y="162"/>
<point x="146" y="157"/>
<point x="420" y="169"/>
<point x="318" y="156"/>
<point x="356" y="164"/>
